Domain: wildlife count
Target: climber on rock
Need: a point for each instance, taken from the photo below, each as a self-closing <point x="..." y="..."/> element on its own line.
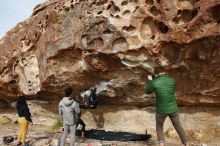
<point x="90" y="99"/>
<point x="93" y="100"/>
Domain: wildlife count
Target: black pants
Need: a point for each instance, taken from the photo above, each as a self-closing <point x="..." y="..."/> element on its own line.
<point x="80" y="122"/>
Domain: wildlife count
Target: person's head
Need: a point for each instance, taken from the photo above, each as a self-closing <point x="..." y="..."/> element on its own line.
<point x="93" y="89"/>
<point x="158" y="70"/>
<point x="21" y="100"/>
<point x="68" y="91"/>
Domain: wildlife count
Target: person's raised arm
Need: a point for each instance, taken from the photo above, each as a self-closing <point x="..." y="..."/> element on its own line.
<point x="149" y="88"/>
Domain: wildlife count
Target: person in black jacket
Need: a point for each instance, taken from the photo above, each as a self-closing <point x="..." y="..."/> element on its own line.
<point x="93" y="100"/>
<point x="23" y="120"/>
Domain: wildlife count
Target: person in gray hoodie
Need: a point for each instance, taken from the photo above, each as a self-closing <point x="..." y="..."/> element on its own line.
<point x="68" y="109"/>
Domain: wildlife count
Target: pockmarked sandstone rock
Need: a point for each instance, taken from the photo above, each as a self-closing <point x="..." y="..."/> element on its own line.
<point x="113" y="45"/>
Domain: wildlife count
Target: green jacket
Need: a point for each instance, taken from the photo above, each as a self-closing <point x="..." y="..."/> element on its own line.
<point x="164" y="88"/>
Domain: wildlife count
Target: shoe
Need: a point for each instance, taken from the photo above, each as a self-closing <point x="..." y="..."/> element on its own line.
<point x="19" y="143"/>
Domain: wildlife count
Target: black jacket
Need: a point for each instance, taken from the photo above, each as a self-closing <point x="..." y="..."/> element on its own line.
<point x="23" y="111"/>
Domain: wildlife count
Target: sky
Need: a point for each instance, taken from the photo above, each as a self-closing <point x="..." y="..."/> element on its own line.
<point x="14" y="11"/>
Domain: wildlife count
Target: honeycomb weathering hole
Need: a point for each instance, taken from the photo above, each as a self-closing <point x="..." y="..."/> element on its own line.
<point x="101" y="2"/>
<point x="216" y="13"/>
<point x="129" y="28"/>
<point x="120" y="44"/>
<point x="124" y="3"/>
<point x="149" y="2"/>
<point x="188" y="15"/>
<point x="107" y="31"/>
<point x="162" y="27"/>
<point x="185" y="16"/>
<point x="96" y="43"/>
<point x="147" y="28"/>
<point x="113" y="9"/>
<point x="109" y="6"/>
<point x="158" y="1"/>
<point x="117" y="16"/>
<point x="126" y="12"/>
<point x="154" y="11"/>
<point x="135" y="1"/>
<point x="100" y="12"/>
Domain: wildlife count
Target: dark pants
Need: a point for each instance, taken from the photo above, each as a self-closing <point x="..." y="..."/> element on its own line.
<point x="80" y="122"/>
<point x="174" y="117"/>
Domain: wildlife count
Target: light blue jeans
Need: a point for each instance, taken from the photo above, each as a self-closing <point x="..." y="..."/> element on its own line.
<point x="72" y="134"/>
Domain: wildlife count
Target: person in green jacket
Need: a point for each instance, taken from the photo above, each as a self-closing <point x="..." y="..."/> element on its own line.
<point x="164" y="88"/>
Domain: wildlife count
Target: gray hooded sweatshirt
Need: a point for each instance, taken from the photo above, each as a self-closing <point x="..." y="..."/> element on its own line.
<point x="68" y="110"/>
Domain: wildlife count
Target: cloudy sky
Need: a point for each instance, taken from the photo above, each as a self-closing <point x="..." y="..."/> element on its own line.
<point x="15" y="11"/>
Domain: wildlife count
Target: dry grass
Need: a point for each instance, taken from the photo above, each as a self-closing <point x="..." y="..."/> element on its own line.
<point x="62" y="15"/>
<point x="203" y="135"/>
<point x="57" y="125"/>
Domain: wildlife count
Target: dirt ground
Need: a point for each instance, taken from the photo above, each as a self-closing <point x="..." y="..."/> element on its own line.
<point x="46" y="130"/>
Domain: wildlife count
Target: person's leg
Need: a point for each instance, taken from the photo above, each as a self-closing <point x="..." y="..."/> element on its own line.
<point x="174" y="117"/>
<point x="73" y="135"/>
<point x="159" y="128"/>
<point x="77" y="123"/>
<point x="65" y="133"/>
<point x="24" y="129"/>
<point x="20" y="131"/>
<point x="80" y="121"/>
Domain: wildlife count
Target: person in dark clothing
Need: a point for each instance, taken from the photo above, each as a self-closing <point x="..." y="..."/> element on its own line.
<point x="93" y="100"/>
<point x="166" y="106"/>
<point x="23" y="120"/>
<point x="93" y="94"/>
<point x="79" y="121"/>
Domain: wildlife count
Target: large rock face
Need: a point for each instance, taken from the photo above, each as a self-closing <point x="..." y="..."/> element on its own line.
<point x="113" y="45"/>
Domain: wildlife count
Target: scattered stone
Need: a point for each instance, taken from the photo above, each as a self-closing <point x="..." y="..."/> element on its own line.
<point x="171" y="132"/>
<point x="4" y="120"/>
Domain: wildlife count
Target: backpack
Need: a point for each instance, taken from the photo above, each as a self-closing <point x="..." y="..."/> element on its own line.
<point x="8" y="139"/>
